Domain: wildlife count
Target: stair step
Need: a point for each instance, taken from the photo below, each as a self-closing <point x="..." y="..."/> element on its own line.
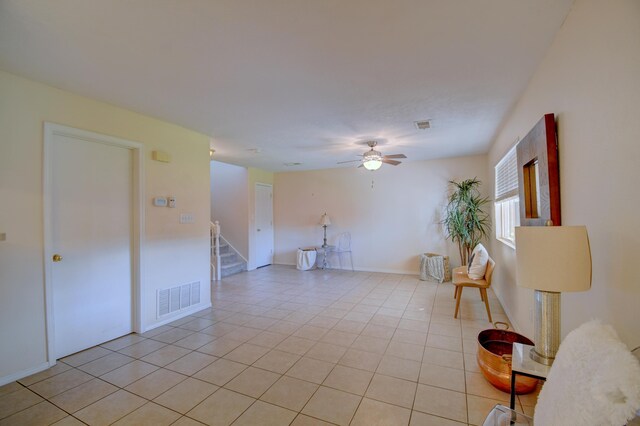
<point x="224" y="249"/>
<point x="232" y="265"/>
<point x="232" y="269"/>
<point x="230" y="261"/>
<point x="230" y="258"/>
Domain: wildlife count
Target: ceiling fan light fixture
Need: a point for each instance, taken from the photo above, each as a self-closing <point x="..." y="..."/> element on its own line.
<point x="372" y="160"/>
<point x="372" y="165"/>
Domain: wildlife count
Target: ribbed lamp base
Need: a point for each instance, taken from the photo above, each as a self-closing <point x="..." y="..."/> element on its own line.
<point x="547" y="327"/>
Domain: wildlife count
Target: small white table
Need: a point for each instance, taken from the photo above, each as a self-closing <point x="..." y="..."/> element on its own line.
<point x="322" y="251"/>
<point x="522" y="364"/>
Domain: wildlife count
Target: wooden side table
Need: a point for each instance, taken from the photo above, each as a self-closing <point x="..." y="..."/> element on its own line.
<point x="522" y="364"/>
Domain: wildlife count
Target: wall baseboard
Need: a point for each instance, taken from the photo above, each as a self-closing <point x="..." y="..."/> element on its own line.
<point x="24" y="373"/>
<point x="41" y="367"/>
<point x="515" y="325"/>
<point x="382" y="270"/>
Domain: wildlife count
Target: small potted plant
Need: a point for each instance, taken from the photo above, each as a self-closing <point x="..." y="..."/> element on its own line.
<point x="466" y="222"/>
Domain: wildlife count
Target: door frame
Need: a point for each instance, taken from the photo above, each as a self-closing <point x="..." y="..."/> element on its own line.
<point x="255" y="215"/>
<point x="137" y="217"/>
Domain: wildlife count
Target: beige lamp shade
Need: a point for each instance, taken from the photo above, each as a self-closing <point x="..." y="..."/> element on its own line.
<point x="553" y="258"/>
<point x="325" y="220"/>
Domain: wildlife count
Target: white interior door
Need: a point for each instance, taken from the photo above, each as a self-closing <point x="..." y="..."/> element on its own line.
<point x="91" y="220"/>
<point x="264" y="225"/>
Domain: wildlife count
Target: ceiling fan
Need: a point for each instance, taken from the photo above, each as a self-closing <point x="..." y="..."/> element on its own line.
<point x="372" y="159"/>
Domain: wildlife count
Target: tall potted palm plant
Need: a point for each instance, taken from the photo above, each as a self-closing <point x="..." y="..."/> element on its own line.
<point x="466" y="222"/>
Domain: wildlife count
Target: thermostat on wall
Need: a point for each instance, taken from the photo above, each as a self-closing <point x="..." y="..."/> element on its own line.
<point x="160" y="201"/>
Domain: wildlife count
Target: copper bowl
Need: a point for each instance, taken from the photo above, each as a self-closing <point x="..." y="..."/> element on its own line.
<point x="495" y="347"/>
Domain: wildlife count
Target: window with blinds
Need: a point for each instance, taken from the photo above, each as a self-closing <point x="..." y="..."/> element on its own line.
<point x="506" y="195"/>
<point x="507" y="176"/>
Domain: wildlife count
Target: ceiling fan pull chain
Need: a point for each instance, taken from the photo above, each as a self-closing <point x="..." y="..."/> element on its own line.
<point x="371" y="183"/>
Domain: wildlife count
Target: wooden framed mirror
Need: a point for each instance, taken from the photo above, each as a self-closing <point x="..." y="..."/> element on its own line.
<point x="539" y="175"/>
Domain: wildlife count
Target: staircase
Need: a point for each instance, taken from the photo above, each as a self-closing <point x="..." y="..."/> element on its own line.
<point x="230" y="261"/>
<point x="225" y="260"/>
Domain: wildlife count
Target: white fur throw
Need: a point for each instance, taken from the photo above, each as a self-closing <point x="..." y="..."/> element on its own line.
<point x="594" y="380"/>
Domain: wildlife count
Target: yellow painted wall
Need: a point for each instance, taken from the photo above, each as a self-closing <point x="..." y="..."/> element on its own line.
<point x="173" y="254"/>
<point x="260" y="176"/>
<point x="393" y="214"/>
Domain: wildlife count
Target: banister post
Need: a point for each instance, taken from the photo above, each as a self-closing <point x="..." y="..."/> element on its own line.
<point x="216" y="244"/>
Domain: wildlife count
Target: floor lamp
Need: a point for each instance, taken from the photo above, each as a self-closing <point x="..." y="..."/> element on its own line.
<point x="551" y="260"/>
<point x="324" y="222"/>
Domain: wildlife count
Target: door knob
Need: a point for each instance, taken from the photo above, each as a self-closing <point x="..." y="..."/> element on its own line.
<point x="57" y="258"/>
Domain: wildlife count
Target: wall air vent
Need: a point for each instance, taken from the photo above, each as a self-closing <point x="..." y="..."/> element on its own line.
<point x="174" y="299"/>
<point x="423" y="124"/>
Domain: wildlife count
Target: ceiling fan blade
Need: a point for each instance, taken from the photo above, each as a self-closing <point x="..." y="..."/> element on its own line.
<point x="350" y="161"/>
<point x="392" y="162"/>
<point x="395" y="156"/>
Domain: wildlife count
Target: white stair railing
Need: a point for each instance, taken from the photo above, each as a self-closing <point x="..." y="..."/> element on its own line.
<point x="216" y="272"/>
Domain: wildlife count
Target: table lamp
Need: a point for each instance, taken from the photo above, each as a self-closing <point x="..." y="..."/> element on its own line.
<point x="325" y="221"/>
<point x="551" y="260"/>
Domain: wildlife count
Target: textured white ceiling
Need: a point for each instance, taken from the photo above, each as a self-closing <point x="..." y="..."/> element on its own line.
<point x="300" y="80"/>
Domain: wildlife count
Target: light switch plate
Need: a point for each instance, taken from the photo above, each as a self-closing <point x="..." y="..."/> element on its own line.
<point x="186" y="218"/>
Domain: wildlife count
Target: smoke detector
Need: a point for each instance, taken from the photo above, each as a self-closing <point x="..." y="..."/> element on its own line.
<point x="423" y="124"/>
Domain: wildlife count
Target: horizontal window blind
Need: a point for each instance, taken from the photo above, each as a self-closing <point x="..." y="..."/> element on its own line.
<point x="507" y="176"/>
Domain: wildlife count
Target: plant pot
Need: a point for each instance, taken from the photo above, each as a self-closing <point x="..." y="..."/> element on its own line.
<point x="495" y="347"/>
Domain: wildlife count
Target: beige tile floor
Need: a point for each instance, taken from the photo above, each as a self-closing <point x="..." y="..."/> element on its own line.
<point x="281" y="347"/>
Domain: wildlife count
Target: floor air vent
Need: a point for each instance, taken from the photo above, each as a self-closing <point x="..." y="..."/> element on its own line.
<point x="174" y="299"/>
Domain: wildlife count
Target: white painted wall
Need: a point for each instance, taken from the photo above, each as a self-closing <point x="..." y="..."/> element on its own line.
<point x="391" y="223"/>
<point x="590" y="78"/>
<point x="230" y="203"/>
<point x="173" y="254"/>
